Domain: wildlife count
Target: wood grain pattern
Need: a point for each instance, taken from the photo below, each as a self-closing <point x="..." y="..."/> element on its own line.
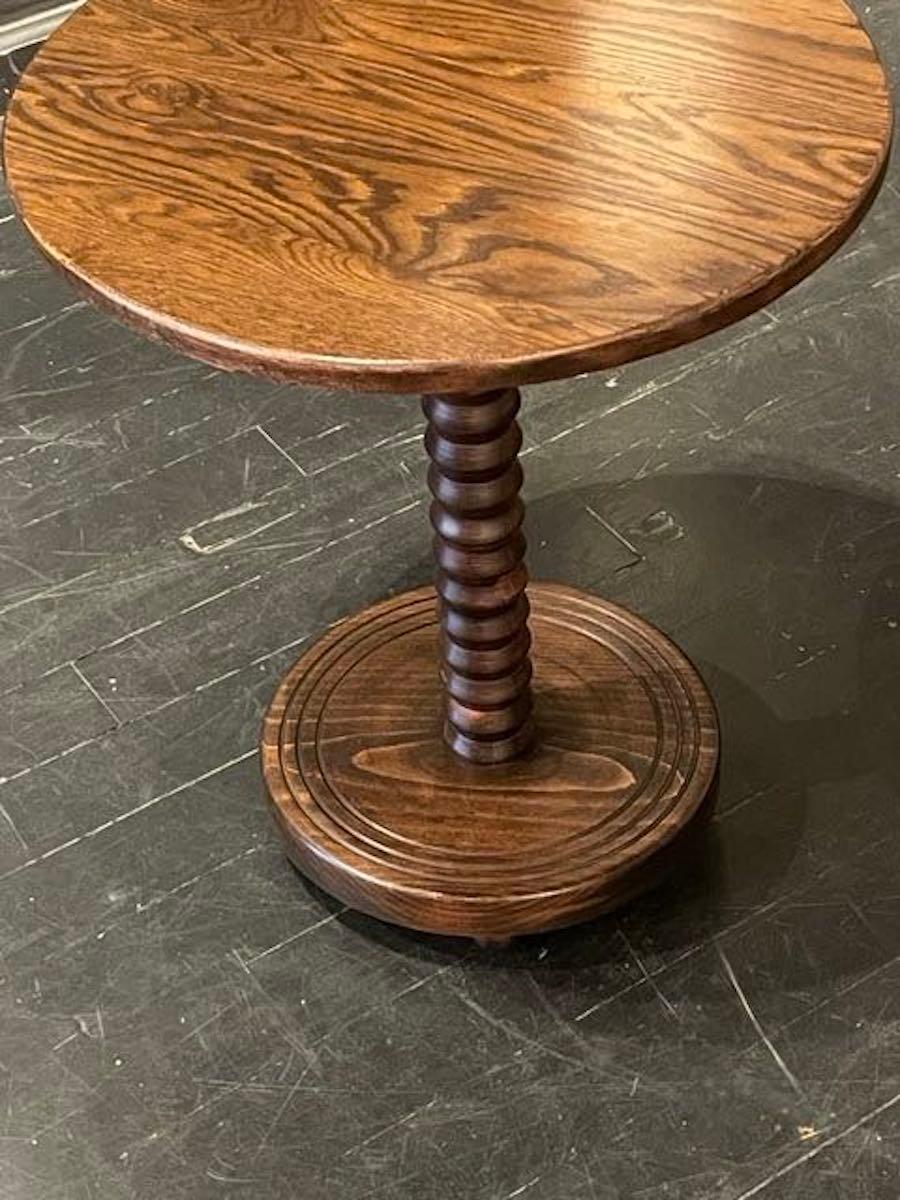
<point x="445" y="195"/>
<point x="479" y="549"/>
<point x="377" y="808"/>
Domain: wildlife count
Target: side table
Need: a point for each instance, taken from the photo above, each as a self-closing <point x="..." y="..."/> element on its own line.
<point x="458" y="198"/>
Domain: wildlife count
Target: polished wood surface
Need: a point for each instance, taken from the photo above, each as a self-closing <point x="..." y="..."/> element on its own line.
<point x="378" y="809"/>
<point x="459" y="196"/>
<point x="445" y="195"/>
<point x="479" y="550"/>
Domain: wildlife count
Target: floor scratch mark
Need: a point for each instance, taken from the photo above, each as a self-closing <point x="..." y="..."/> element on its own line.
<point x="664" y="1001"/>
<point x="513" y="1032"/>
<point x="283" y="1107"/>
<point x="524" y="1188"/>
<point x="90" y="687"/>
<point x="140" y="808"/>
<point x="293" y="938"/>
<point x="745" y="1004"/>
<point x="281" y="450"/>
<point x="823" y="1145"/>
<point x="380" y="1133"/>
<point x="11" y="823"/>
<point x="610" y="529"/>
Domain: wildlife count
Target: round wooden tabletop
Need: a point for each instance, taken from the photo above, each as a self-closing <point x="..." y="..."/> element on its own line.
<point x="445" y="194"/>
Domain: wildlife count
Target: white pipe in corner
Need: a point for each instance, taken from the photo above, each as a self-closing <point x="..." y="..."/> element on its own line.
<point x="37" y="26"/>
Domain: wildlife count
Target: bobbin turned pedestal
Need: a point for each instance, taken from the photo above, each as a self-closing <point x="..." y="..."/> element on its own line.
<point x="445" y="199"/>
<point x="479" y="548"/>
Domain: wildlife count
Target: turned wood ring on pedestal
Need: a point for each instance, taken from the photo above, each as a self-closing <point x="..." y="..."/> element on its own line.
<point x="457" y="199"/>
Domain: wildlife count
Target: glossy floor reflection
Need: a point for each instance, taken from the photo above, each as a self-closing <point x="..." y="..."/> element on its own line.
<point x="182" y="1016"/>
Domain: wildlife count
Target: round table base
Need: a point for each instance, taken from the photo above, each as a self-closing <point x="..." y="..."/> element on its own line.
<point x="378" y="811"/>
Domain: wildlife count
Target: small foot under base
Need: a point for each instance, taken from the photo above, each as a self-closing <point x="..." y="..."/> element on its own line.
<point x="378" y="811"/>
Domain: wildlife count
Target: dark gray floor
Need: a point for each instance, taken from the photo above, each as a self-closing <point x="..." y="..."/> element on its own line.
<point x="182" y="1017"/>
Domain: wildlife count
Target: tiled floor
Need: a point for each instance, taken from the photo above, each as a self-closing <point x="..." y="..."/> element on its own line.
<point x="181" y="1016"/>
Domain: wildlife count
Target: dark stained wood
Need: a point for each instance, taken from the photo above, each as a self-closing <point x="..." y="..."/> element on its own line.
<point x="459" y="196"/>
<point x="463" y="799"/>
<point x="479" y="549"/>
<point x="445" y="195"/>
<point x="378" y="809"/>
